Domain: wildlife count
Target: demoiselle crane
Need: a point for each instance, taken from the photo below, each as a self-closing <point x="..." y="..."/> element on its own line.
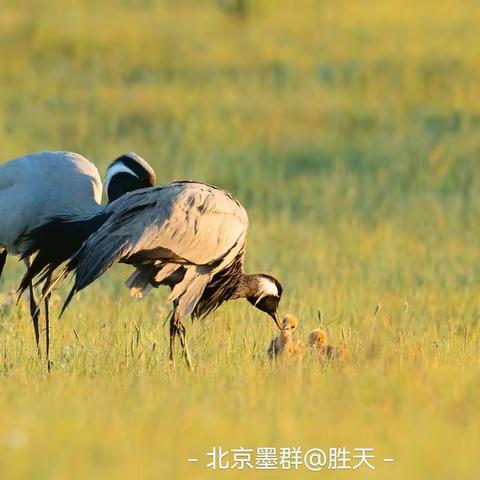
<point x="186" y="235"/>
<point x="42" y="185"/>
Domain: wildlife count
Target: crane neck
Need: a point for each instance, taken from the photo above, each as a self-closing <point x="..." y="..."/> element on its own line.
<point x="248" y="286"/>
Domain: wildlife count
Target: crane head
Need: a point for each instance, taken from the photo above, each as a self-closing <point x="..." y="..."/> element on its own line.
<point x="127" y="173"/>
<point x="266" y="296"/>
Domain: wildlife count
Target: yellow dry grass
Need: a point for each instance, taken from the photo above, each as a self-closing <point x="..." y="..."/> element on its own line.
<point x="350" y="132"/>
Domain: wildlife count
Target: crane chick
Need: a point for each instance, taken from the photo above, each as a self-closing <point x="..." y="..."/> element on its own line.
<point x="319" y="341"/>
<point x="285" y="344"/>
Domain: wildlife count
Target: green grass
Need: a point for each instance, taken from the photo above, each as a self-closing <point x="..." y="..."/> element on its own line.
<point x="350" y="132"/>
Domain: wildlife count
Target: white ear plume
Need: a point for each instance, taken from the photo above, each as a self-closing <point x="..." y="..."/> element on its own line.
<point x="266" y="288"/>
<point x="112" y="171"/>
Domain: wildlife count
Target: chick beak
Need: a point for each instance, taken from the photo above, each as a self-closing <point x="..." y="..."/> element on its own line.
<point x="274" y="315"/>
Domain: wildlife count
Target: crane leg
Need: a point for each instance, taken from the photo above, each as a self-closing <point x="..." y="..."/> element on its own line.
<point x="181" y="332"/>
<point x="178" y="329"/>
<point x="47" y="319"/>
<point x="3" y="259"/>
<point x="34" y="313"/>
<point x="173" y="333"/>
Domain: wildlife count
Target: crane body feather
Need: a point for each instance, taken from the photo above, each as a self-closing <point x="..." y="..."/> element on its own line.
<point x="186" y="227"/>
<point x="41" y="185"/>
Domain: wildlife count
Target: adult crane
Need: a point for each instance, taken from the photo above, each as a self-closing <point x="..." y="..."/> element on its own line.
<point x="186" y="235"/>
<point x="36" y="187"/>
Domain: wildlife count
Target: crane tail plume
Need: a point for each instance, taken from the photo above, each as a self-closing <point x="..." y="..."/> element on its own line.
<point x="95" y="257"/>
<point x="54" y="242"/>
<point x="48" y="288"/>
<point x="72" y="293"/>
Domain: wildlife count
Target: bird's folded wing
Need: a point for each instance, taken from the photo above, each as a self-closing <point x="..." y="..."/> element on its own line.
<point x="188" y="223"/>
<point x="196" y="223"/>
<point x="8" y="175"/>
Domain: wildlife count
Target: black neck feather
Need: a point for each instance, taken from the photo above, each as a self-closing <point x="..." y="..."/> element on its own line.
<point x="221" y="288"/>
<point x="122" y="183"/>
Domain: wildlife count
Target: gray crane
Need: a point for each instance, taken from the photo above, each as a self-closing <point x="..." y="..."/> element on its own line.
<point x="42" y="185"/>
<point x="186" y="235"/>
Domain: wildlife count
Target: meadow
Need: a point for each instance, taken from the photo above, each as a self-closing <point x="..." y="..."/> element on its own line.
<point x="350" y="131"/>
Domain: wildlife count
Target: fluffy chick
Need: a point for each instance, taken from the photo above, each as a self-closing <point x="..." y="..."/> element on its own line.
<point x="285" y="344"/>
<point x="319" y="341"/>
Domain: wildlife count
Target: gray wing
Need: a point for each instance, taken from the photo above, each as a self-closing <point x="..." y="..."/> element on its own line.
<point x="196" y="222"/>
<point x="41" y="185"/>
<point x="187" y="224"/>
<point x="16" y="208"/>
<point x="8" y="174"/>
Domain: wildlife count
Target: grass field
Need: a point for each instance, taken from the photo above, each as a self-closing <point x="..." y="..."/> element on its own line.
<point x="350" y="131"/>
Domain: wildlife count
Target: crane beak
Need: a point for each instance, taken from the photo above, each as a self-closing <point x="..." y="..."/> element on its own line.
<point x="276" y="319"/>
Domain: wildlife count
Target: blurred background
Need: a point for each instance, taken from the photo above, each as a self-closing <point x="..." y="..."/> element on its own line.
<point x="350" y="131"/>
<point x="301" y="107"/>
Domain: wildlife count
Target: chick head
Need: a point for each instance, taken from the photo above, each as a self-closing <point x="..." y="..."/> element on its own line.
<point x="318" y="338"/>
<point x="289" y="323"/>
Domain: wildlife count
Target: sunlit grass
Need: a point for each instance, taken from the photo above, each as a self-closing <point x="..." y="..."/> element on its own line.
<point x="350" y="132"/>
